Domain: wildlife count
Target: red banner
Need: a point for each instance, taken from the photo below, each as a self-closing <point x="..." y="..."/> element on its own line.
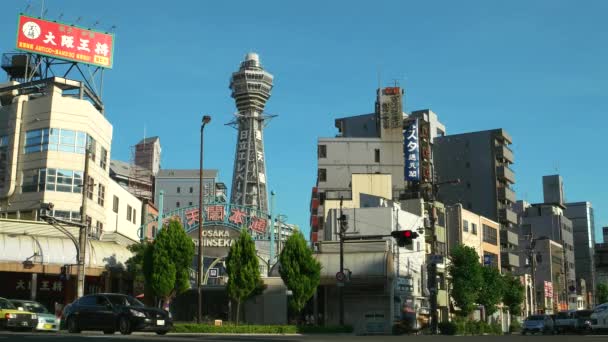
<point x="65" y="41"/>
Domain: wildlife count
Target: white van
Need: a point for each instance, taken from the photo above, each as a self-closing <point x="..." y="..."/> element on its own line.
<point x="599" y="317"/>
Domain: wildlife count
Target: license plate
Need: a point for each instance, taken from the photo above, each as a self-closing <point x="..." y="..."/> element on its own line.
<point x="48" y="326"/>
<point x="160" y="322"/>
<point x="25" y="323"/>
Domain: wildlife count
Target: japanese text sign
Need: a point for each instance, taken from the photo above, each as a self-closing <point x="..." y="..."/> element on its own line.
<point x="65" y="41"/>
<point x="411" y="152"/>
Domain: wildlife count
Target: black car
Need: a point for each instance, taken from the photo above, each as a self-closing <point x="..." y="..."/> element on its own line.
<point x="109" y="312"/>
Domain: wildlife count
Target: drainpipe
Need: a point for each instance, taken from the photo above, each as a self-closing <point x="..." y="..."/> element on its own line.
<point x="15" y="150"/>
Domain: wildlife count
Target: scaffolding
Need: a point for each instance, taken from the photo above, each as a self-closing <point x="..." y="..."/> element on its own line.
<point x="140" y="173"/>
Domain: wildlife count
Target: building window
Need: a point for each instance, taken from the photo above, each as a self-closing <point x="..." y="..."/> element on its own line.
<point x="51" y="180"/>
<point x="322" y="175"/>
<point x="322" y="151"/>
<point x="134" y="215"/>
<point x="474" y="228"/>
<point x="89" y="221"/>
<point x="465" y="225"/>
<point x="490" y="259"/>
<point x="191" y="189"/>
<point x="101" y="194"/>
<point x="377" y="155"/>
<point x="190" y="203"/>
<point x="115" y="204"/>
<point x="129" y="213"/>
<point x="98" y="229"/>
<point x="92" y="147"/>
<point x="55" y="139"/>
<point x="90" y="187"/>
<point x="490" y="235"/>
<point x="177" y="204"/>
<point x="179" y="189"/>
<point x="103" y="158"/>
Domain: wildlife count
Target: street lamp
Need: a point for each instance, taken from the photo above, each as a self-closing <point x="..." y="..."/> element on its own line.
<point x="199" y="280"/>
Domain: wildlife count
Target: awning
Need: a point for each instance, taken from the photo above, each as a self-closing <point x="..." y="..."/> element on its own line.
<point x="369" y="267"/>
<point x="60" y="251"/>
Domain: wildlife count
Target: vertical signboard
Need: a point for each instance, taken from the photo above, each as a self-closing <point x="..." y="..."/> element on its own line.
<point x="424" y="129"/>
<point x="411" y="152"/>
<point x="548" y="289"/>
<point x="64" y="41"/>
<point x="391" y="108"/>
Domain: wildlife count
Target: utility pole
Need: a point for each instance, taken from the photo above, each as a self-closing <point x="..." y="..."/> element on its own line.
<point x="272" y="193"/>
<point x="201" y="260"/>
<point x="341" y="284"/>
<point x="432" y="266"/>
<point x="84" y="229"/>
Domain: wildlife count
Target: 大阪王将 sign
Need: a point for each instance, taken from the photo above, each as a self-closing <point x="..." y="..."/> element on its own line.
<point x="65" y="41"/>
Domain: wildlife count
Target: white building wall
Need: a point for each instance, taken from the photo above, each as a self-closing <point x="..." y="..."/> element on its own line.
<point x="117" y="217"/>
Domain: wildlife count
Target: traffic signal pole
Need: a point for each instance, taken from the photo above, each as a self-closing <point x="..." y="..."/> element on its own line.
<point x="342" y="229"/>
<point x="84" y="231"/>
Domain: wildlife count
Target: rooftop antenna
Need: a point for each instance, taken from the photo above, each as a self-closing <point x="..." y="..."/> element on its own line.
<point x="556" y="166"/>
<point x="29" y="5"/>
<point x="42" y="12"/>
<point x="78" y="20"/>
<point x="60" y="16"/>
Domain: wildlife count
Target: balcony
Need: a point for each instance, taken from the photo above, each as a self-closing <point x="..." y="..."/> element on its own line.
<point x="503" y="152"/>
<point x="507" y="215"/>
<point x="507" y="236"/>
<point x="504" y="173"/>
<point x="506" y="194"/>
<point x="508" y="259"/>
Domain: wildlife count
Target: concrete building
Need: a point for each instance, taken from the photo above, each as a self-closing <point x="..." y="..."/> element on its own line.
<point x="583" y="226"/>
<point x="601" y="259"/>
<point x="44" y="135"/>
<point x="481" y="160"/>
<point x="147" y="154"/>
<point x="467" y="228"/>
<point x="548" y="277"/>
<point x="138" y="182"/>
<point x="181" y="188"/>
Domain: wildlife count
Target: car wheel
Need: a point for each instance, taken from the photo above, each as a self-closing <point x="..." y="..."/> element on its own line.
<point x="162" y="332"/>
<point x="72" y="324"/>
<point x="124" y="325"/>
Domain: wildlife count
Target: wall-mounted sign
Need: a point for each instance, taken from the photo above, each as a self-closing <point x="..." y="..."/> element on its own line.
<point x="411" y="152"/>
<point x="391" y="107"/>
<point x="64" y="41"/>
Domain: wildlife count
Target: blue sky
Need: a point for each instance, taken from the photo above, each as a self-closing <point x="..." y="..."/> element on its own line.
<point x="537" y="69"/>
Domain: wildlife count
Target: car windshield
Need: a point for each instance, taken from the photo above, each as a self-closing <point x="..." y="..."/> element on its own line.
<point x="584" y="313"/>
<point x="600" y="308"/>
<point x="124" y="300"/>
<point x="32" y="307"/>
<point x="5" y="304"/>
<point x="536" y="318"/>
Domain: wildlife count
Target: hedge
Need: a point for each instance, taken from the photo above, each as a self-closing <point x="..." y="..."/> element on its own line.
<point x="460" y="326"/>
<point x="258" y="329"/>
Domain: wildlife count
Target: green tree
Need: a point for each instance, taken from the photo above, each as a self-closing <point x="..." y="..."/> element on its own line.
<point x="243" y="270"/>
<point x="300" y="271"/>
<point x="135" y="267"/>
<point x="514" y="293"/>
<point x="167" y="262"/>
<point x="492" y="290"/>
<point x="467" y="278"/>
<point x="602" y="293"/>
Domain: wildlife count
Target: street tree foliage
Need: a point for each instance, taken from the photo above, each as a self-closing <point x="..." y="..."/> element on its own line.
<point x="492" y="290"/>
<point x="602" y="293"/>
<point x="167" y="262"/>
<point x="514" y="293"/>
<point x="135" y="267"/>
<point x="243" y="271"/>
<point x="300" y="271"/>
<point x="467" y="278"/>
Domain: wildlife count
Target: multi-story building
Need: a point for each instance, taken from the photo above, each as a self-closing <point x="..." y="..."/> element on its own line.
<point x="181" y="188"/>
<point x="583" y="226"/>
<point x="467" y="228"/>
<point x="481" y="161"/>
<point x="44" y="136"/>
<point x="147" y="154"/>
<point x="548" y="276"/>
<point x="601" y="259"/>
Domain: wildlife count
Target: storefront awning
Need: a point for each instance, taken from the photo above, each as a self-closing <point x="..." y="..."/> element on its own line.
<point x="366" y="267"/>
<point x="59" y="251"/>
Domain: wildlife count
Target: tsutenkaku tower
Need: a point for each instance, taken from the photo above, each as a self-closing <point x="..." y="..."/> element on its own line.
<point x="250" y="87"/>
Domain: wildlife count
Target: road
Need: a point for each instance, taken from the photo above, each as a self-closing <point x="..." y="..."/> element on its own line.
<point x="62" y="336"/>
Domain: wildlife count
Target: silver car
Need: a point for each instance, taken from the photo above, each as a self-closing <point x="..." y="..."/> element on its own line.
<point x="538" y="324"/>
<point x="46" y="320"/>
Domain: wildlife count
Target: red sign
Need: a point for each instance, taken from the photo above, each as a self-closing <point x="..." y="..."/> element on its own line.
<point x="65" y="41"/>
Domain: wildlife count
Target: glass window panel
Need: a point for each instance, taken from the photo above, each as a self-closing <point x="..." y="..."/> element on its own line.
<point x="66" y="148"/>
<point x="50" y="187"/>
<point x="51" y="172"/>
<point x="54" y="136"/>
<point x="68" y="137"/>
<point x="64" y="188"/>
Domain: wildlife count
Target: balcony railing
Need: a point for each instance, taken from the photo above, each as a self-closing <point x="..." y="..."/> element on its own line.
<point x="506" y="194"/>
<point x="507" y="215"/>
<point x="503" y="152"/>
<point x="509" y="259"/>
<point x="505" y="173"/>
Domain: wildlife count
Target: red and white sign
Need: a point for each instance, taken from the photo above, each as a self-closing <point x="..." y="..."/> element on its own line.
<point x="65" y="41"/>
<point x="548" y="289"/>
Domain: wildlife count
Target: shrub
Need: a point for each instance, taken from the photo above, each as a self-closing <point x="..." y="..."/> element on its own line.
<point x="324" y="329"/>
<point x="515" y="326"/>
<point x="469" y="327"/>
<point x="447" y="328"/>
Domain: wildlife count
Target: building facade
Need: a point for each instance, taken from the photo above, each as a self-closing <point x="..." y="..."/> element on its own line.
<point x="181" y="188"/>
<point x="481" y="161"/>
<point x="583" y="226"/>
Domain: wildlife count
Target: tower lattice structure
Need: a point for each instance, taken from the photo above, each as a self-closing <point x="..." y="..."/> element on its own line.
<point x="251" y="86"/>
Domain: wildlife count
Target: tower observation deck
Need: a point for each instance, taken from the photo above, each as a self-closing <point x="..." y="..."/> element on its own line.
<point x="251" y="86"/>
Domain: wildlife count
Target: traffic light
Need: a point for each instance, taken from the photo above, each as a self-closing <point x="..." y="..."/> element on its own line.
<point x="404" y="237"/>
